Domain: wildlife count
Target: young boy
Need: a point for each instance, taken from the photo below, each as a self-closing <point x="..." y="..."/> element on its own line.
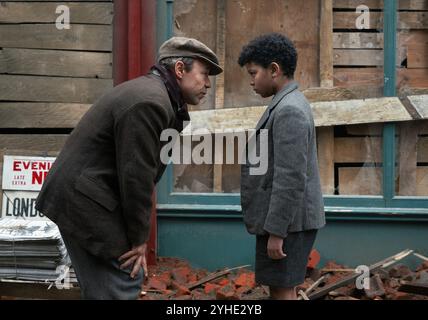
<point x="283" y="207"/>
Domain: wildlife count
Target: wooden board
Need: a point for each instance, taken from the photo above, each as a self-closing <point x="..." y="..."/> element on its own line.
<point x="422" y="181"/>
<point x="246" y="20"/>
<point x="52" y="89"/>
<point x="46" y="36"/>
<point x="358" y="150"/>
<point x="417" y="56"/>
<point x="378" y="4"/>
<point x="197" y="19"/>
<point x="360" y="181"/>
<point x="372" y="129"/>
<point x="56" y="63"/>
<point x="420" y="103"/>
<point x="363" y="77"/>
<point x="407" y="158"/>
<point x="360" y="57"/>
<point x="84" y="13"/>
<point x="359" y="111"/>
<point x="326" y="44"/>
<point x="406" y="20"/>
<point x="41" y="115"/>
<point x="33" y="142"/>
<point x="414" y="78"/>
<point x="422" y="149"/>
<point x="325" y="139"/>
<point x="357" y="40"/>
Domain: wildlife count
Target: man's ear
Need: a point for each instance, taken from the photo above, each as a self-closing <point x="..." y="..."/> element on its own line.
<point x="179" y="69"/>
<point x="275" y="69"/>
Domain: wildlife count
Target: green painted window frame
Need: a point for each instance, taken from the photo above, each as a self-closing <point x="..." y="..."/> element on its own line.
<point x="386" y="203"/>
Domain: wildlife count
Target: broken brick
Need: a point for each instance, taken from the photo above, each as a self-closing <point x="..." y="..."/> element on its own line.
<point x="376" y="288"/>
<point x="210" y="287"/>
<point x="180" y="274"/>
<point x="314" y="259"/>
<point x="246" y="279"/>
<point x="223" y="282"/>
<point x="399" y="271"/>
<point x="423" y="266"/>
<point x="155" y="283"/>
<point x="227" y="293"/>
<point x="181" y="290"/>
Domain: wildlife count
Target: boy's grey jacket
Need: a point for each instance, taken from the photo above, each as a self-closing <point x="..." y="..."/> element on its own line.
<point x="288" y="197"/>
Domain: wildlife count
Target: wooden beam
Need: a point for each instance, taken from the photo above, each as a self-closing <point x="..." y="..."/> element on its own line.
<point x="350" y="57"/>
<point x="326" y="44"/>
<point x="41" y="115"/>
<point x="357" y="40"/>
<point x="56" y="63"/>
<point x="82" y="13"/>
<point x="326" y="158"/>
<point x="422" y="181"/>
<point x="358" y="150"/>
<point x="52" y="89"/>
<point x="420" y="103"/>
<point x="47" y="36"/>
<point x="407" y="158"/>
<point x="33" y="142"/>
<point x="378" y="4"/>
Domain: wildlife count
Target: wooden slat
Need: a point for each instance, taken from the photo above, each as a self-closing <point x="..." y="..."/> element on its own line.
<point x="46" y="36"/>
<point x="406" y="20"/>
<point x="325" y="114"/>
<point x="357" y="40"/>
<point x="360" y="181"/>
<point x="417" y="56"/>
<point x="84" y="13"/>
<point x="41" y="115"/>
<point x="325" y="148"/>
<point x="359" y="111"/>
<point x="347" y="20"/>
<point x="326" y="44"/>
<point x="421" y="104"/>
<point x="422" y="148"/>
<point x="358" y="150"/>
<point x="349" y="57"/>
<point x="340" y="93"/>
<point x="52" y="89"/>
<point x="416" y="78"/>
<point x="422" y="181"/>
<point x="350" y="77"/>
<point x="413" y="20"/>
<point x="56" y="63"/>
<point x="407" y="158"/>
<point x="57" y="0"/>
<point x="378" y="4"/>
<point x="33" y="142"/>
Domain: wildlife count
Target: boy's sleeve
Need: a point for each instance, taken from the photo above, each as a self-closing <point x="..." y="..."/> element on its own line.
<point x="290" y="143"/>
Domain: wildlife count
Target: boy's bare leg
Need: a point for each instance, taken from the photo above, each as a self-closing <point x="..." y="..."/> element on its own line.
<point x="278" y="293"/>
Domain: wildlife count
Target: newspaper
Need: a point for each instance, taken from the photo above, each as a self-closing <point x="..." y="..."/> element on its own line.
<point x="33" y="250"/>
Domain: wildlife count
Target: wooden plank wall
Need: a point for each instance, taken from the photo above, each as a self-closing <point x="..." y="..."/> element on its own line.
<point x="358" y="54"/>
<point x="50" y="77"/>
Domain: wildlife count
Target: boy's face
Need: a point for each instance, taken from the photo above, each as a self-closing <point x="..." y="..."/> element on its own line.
<point x="261" y="79"/>
<point x="195" y="83"/>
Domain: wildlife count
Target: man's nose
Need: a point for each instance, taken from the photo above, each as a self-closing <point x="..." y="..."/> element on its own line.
<point x="208" y="83"/>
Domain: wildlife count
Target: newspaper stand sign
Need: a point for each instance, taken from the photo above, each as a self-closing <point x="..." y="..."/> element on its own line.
<point x="22" y="180"/>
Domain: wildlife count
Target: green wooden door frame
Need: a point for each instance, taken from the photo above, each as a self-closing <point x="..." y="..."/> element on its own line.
<point x="386" y="206"/>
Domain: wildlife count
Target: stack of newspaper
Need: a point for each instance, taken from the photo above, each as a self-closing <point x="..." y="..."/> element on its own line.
<point x="33" y="250"/>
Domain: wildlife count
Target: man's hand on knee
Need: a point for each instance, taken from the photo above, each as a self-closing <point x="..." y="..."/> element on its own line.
<point x="135" y="257"/>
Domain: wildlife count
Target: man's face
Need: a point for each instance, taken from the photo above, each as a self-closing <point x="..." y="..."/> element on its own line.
<point x="261" y="79"/>
<point x="194" y="83"/>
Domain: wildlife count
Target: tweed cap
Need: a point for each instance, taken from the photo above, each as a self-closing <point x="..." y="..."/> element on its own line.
<point x="191" y="48"/>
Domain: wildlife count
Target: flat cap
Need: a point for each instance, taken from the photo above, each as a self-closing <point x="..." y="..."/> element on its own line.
<point x="191" y="48"/>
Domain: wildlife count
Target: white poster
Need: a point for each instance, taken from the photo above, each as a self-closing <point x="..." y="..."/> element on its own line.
<point x="25" y="173"/>
<point x="21" y="204"/>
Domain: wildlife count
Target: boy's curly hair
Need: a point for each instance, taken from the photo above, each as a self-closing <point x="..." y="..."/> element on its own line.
<point x="268" y="48"/>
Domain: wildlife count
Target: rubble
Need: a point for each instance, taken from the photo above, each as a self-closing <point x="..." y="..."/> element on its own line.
<point x="175" y="279"/>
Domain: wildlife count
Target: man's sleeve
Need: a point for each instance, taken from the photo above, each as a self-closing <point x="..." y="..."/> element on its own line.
<point x="290" y="144"/>
<point x="137" y="139"/>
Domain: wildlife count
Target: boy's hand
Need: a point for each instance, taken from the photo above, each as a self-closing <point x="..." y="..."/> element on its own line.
<point x="137" y="258"/>
<point x="274" y="248"/>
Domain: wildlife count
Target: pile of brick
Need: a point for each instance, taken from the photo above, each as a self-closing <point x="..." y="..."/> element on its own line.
<point x="174" y="279"/>
<point x="385" y="284"/>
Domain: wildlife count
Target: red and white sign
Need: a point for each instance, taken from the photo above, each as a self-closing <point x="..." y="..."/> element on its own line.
<point x="25" y="173"/>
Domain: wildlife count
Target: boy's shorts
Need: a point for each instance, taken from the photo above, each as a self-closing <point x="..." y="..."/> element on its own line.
<point x="290" y="271"/>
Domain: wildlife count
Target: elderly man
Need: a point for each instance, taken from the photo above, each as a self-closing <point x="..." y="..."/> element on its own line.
<point x="99" y="189"/>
